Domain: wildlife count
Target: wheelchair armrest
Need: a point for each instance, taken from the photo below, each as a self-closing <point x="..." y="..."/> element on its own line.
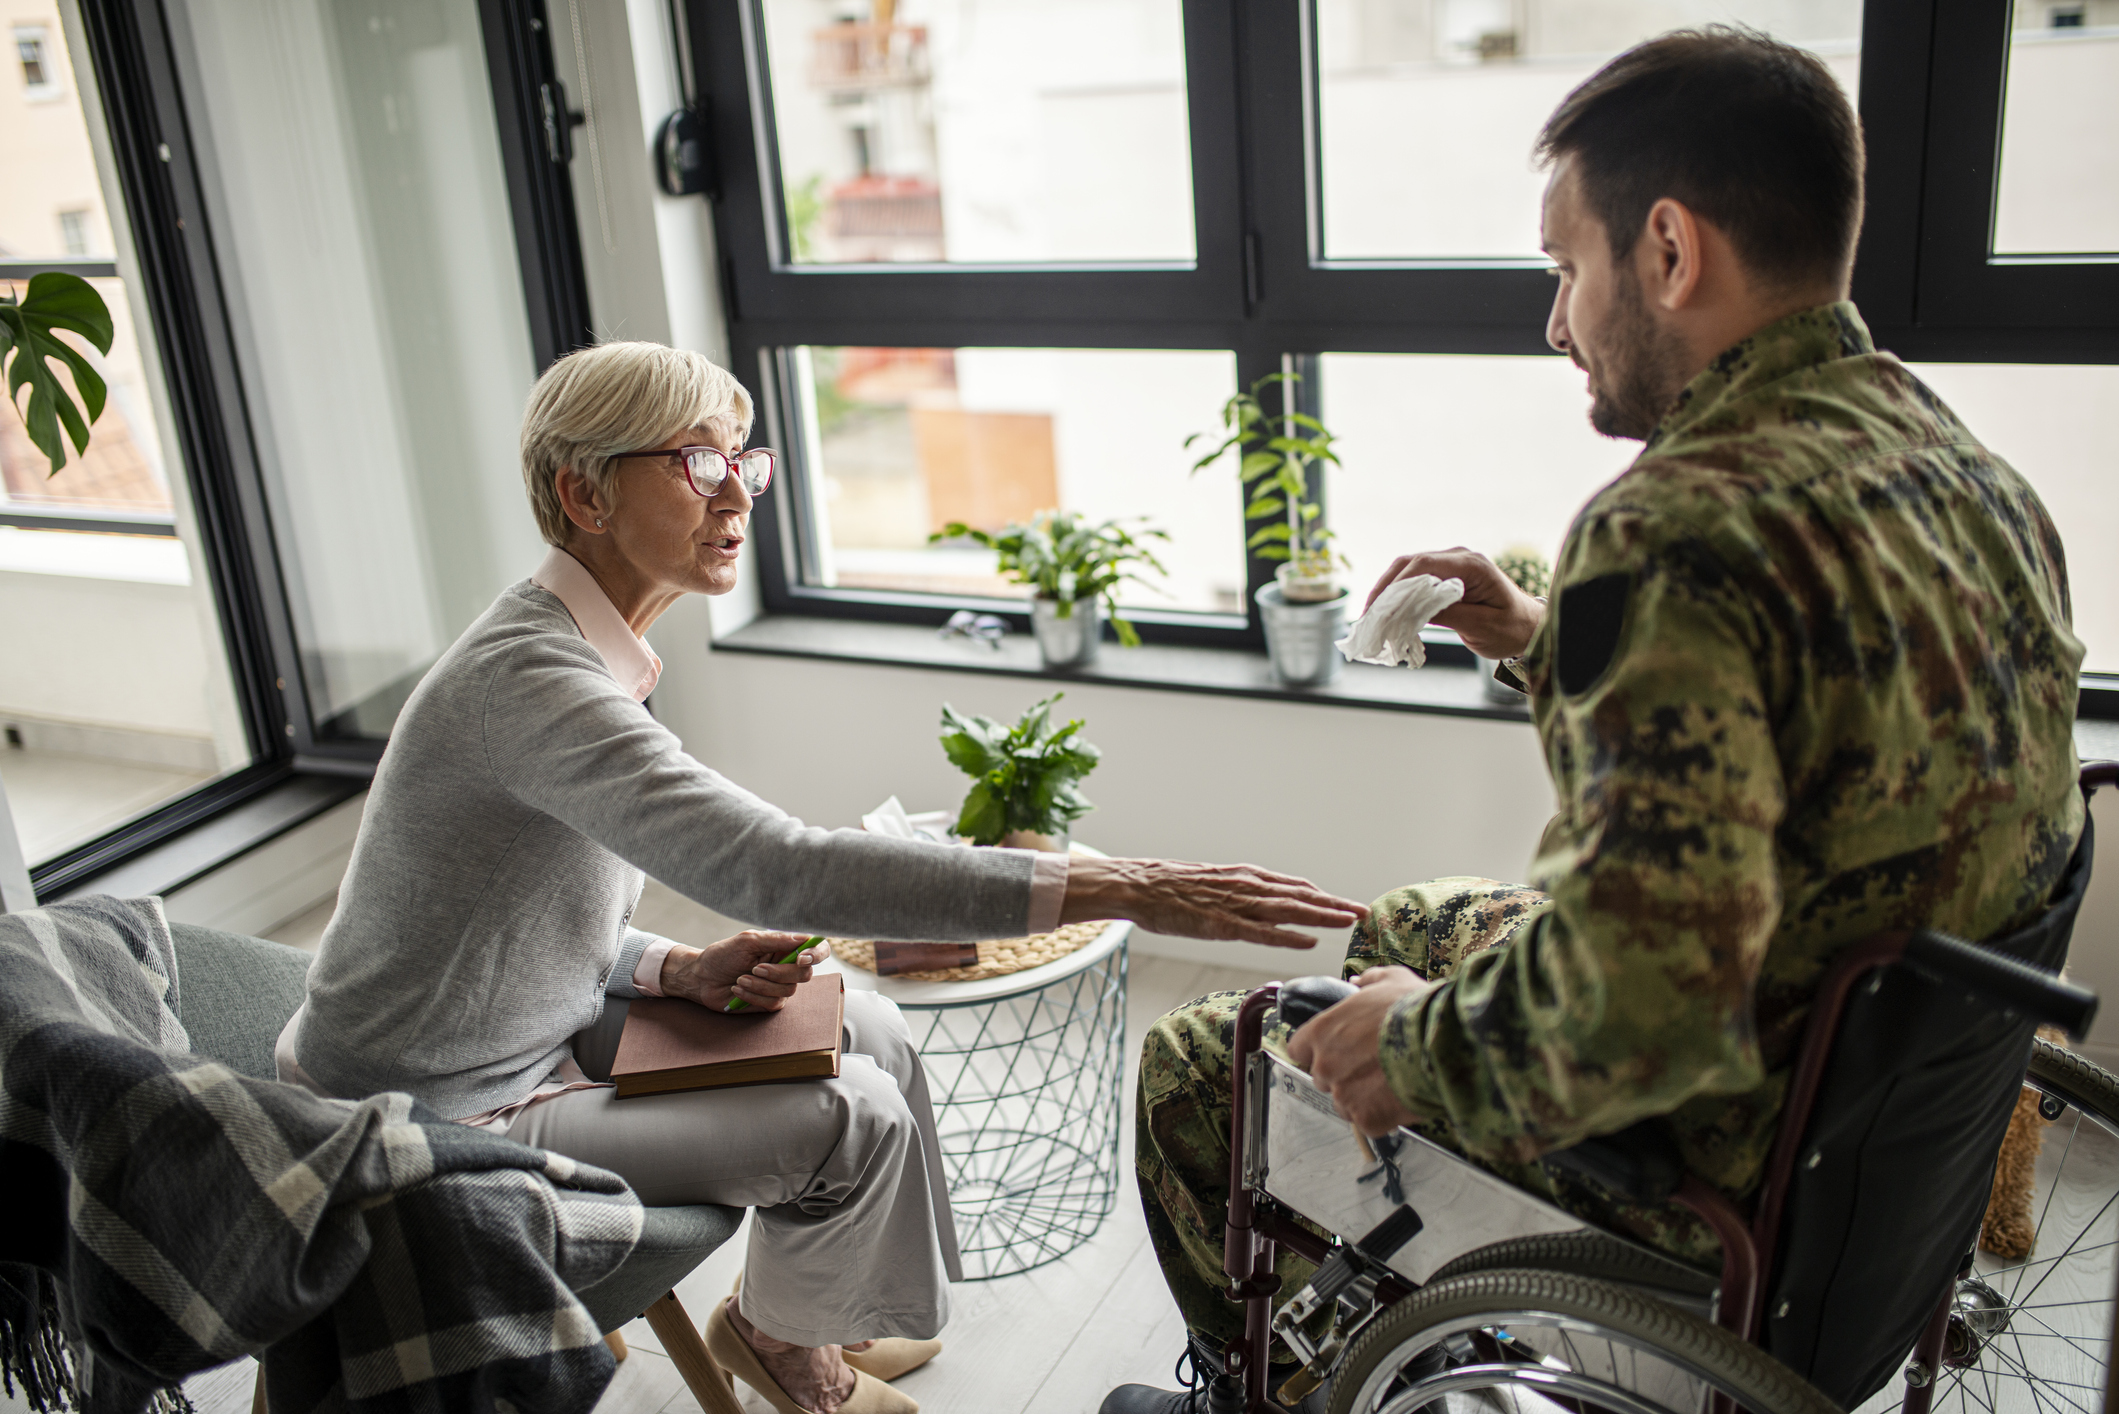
<point x="1640" y="1164"/>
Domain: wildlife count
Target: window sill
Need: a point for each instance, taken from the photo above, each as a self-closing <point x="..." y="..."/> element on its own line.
<point x="1223" y="672"/>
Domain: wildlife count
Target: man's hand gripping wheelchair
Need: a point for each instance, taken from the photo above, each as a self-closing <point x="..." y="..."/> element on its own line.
<point x="1446" y="1283"/>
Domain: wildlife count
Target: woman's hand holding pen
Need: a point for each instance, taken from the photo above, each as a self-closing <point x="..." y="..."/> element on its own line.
<point x="747" y="967"/>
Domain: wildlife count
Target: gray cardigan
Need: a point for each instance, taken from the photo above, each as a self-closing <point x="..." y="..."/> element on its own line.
<point x="486" y="909"/>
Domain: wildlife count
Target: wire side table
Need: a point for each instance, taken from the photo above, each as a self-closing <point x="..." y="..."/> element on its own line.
<point x="1026" y="1073"/>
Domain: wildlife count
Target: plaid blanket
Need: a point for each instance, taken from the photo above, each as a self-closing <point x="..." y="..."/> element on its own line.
<point x="164" y="1214"/>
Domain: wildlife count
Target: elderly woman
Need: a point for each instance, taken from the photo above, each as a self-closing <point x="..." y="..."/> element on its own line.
<point x="526" y="791"/>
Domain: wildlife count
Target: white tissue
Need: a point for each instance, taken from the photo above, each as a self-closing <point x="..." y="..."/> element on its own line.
<point x="929" y="826"/>
<point x="1389" y="633"/>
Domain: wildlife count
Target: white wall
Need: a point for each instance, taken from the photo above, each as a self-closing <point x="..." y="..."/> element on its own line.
<point x="1375" y="799"/>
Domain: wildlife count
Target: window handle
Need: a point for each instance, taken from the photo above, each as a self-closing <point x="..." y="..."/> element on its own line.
<point x="559" y="121"/>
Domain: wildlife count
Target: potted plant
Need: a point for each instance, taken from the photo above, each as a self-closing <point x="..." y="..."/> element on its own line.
<point x="29" y="343"/>
<point x="1304" y="609"/>
<point x="1529" y="571"/>
<point x="1023" y="792"/>
<point x="1073" y="567"/>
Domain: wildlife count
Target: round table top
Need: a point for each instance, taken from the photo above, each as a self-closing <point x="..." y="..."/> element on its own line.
<point x="909" y="992"/>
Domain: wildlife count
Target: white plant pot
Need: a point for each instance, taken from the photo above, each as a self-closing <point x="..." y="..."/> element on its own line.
<point x="1301" y="639"/>
<point x="1304" y="585"/>
<point x="1044" y="844"/>
<point x="1070" y="641"/>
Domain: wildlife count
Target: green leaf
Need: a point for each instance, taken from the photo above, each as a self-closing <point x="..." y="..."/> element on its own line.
<point x="1274" y="552"/>
<point x="982" y="819"/>
<point x="1128" y="635"/>
<point x="1268" y="535"/>
<point x="29" y="342"/>
<point x="1264" y="506"/>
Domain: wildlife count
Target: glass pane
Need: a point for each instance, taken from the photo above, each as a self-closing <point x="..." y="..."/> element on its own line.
<point x="2059" y="187"/>
<point x="1428" y="108"/>
<point x="982" y="130"/>
<point x="1423" y="469"/>
<point x="909" y="440"/>
<point x="115" y="695"/>
<point x="2053" y="424"/>
<point x="364" y="217"/>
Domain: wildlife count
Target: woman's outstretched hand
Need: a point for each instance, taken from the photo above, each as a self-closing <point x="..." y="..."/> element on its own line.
<point x="747" y="966"/>
<point x="1236" y="902"/>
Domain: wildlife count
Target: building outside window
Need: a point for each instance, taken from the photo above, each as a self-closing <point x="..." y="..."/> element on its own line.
<point x="115" y="688"/>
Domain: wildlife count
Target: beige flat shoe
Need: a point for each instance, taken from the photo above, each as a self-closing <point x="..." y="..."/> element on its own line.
<point x="886" y="1358"/>
<point x="893" y="1356"/>
<point x="733" y="1353"/>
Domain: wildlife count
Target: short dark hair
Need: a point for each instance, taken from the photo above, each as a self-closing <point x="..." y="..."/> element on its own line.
<point x="1751" y="134"/>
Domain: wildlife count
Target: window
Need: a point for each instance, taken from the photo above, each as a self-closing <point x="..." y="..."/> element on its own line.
<point x="924" y="131"/>
<point x="331" y="291"/>
<point x="387" y="450"/>
<point x="2059" y="187"/>
<point x="907" y="441"/>
<point x="30" y="51"/>
<point x="1393" y="74"/>
<point x="117" y="694"/>
<point x="73" y="232"/>
<point x="1363" y="205"/>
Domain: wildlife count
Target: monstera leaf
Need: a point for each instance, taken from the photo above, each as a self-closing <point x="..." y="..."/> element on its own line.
<point x="29" y="342"/>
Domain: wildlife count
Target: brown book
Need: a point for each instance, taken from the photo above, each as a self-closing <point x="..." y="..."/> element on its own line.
<point x="894" y="958"/>
<point x="672" y="1044"/>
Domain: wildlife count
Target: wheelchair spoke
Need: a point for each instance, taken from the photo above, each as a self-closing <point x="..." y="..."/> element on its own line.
<point x="2038" y="1382"/>
<point x="2043" y="1261"/>
<point x="2049" y="1333"/>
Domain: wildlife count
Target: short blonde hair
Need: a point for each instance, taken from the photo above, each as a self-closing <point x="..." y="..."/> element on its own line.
<point x="618" y="397"/>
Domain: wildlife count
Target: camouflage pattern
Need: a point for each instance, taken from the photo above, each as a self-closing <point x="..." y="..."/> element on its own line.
<point x="1807" y="675"/>
<point x="1181" y="1149"/>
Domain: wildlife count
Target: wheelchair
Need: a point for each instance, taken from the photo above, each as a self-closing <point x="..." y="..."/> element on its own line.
<point x="1449" y="1290"/>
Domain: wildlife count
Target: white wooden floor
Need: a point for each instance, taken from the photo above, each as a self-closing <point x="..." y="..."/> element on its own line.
<point x="1052" y="1341"/>
<point x="1056" y="1339"/>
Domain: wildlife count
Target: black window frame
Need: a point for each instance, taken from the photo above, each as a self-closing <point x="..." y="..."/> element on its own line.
<point x="295" y="759"/>
<point x="1934" y="75"/>
<point x="1263" y="287"/>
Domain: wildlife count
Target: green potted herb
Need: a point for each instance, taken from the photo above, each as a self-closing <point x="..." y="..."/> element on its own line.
<point x="1304" y="609"/>
<point x="1529" y="571"/>
<point x="1073" y="567"/>
<point x="1023" y="777"/>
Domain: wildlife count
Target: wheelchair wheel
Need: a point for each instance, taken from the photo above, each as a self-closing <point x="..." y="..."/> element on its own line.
<point x="1524" y="1342"/>
<point x="2036" y="1335"/>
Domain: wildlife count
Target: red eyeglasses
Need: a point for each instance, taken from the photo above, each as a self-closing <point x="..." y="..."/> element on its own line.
<point x="707" y="468"/>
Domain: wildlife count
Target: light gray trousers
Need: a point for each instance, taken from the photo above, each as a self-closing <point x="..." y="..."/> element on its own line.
<point x="851" y="1236"/>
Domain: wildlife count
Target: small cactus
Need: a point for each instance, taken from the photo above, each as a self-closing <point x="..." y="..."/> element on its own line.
<point x="1526" y="569"/>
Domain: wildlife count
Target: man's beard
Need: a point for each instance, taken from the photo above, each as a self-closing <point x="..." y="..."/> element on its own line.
<point x="1641" y="371"/>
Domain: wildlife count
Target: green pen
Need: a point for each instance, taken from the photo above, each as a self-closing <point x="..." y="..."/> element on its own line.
<point x="738" y="1004"/>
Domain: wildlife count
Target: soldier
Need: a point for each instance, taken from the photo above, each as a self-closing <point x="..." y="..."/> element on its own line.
<point x="1806" y="675"/>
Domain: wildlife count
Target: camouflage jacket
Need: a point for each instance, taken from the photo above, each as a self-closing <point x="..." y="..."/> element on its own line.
<point x="1807" y="675"/>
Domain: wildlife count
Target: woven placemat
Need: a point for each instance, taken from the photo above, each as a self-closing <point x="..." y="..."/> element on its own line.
<point x="997" y="957"/>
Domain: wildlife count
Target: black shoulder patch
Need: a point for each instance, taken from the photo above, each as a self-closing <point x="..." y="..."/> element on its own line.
<point x="1591" y="615"/>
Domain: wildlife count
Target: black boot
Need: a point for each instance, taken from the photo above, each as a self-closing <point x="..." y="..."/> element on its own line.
<point x="1204" y="1388"/>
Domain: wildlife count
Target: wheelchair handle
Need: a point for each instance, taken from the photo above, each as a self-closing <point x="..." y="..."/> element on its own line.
<point x="1302" y="999"/>
<point x="2045" y="998"/>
